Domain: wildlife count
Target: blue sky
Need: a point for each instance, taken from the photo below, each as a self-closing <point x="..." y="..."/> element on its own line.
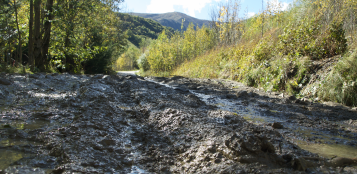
<point x="195" y="8"/>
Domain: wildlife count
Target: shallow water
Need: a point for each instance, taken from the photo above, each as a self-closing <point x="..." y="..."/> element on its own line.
<point x="7" y="157"/>
<point x="11" y="142"/>
<point x="329" y="150"/>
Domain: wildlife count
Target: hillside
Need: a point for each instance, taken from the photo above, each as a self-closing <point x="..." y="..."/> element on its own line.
<point x="280" y="51"/>
<point x="138" y="27"/>
<point x="173" y="19"/>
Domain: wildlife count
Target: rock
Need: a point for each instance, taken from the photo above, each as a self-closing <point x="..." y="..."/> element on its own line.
<point x="281" y="95"/>
<point x="176" y="77"/>
<point x="201" y="88"/>
<point x="5" y="82"/>
<point x="42" y="115"/>
<point x="181" y="89"/>
<point x="342" y="162"/>
<point x="277" y="125"/>
<point x="230" y="96"/>
<point x="242" y="94"/>
<point x="24" y="169"/>
<point x="292" y="97"/>
<point x="299" y="164"/>
<point x="299" y="101"/>
<point x="34" y="76"/>
<point x="98" y="76"/>
<point x="306" y="100"/>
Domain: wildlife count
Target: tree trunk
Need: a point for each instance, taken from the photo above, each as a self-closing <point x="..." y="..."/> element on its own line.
<point x="47" y="32"/>
<point x="31" y="41"/>
<point x="38" y="42"/>
<point x="19" y="51"/>
<point x="69" y="60"/>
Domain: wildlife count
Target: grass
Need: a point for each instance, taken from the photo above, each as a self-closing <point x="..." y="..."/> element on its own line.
<point x="341" y="84"/>
<point x="281" y="58"/>
<point x="12" y="69"/>
<point x="151" y="73"/>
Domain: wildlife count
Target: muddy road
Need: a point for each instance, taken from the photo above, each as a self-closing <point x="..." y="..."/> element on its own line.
<point x="53" y="123"/>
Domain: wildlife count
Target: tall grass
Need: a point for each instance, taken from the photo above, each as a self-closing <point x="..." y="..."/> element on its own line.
<point x="341" y="84"/>
<point x="274" y="50"/>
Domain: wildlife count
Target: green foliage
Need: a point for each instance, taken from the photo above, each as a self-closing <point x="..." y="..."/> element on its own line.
<point x="128" y="59"/>
<point x="174" y="20"/>
<point x="341" y="84"/>
<point x="143" y="62"/>
<point x="167" y="53"/>
<point x="79" y="31"/>
<point x="264" y="49"/>
<point x="308" y="38"/>
<point x="138" y="28"/>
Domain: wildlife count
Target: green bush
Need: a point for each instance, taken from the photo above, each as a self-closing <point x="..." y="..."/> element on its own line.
<point x="143" y="62"/>
<point x="341" y="84"/>
<point x="308" y="38"/>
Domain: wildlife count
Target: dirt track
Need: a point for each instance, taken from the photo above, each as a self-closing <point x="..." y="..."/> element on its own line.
<point x="128" y="124"/>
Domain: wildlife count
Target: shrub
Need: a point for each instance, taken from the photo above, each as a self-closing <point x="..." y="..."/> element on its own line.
<point x="341" y="84"/>
<point x="143" y="63"/>
<point x="308" y="38"/>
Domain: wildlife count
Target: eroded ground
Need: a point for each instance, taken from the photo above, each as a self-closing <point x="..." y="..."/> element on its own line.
<point x="128" y="124"/>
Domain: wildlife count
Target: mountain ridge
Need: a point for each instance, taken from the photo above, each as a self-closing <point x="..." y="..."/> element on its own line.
<point x="138" y="28"/>
<point x="173" y="19"/>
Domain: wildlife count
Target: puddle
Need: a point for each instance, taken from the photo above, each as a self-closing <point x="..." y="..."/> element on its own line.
<point x="253" y="119"/>
<point x="11" y="142"/>
<point x="321" y="136"/>
<point x="31" y="125"/>
<point x="8" y="157"/>
<point x="329" y="150"/>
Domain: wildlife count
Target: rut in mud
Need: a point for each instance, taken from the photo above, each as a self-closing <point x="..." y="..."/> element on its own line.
<point x="128" y="124"/>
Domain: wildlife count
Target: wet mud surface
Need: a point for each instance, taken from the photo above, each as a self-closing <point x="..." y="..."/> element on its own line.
<point x="53" y="123"/>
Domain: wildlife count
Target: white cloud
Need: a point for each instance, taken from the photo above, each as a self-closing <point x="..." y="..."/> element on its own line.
<point x="250" y="14"/>
<point x="284" y="5"/>
<point x="189" y="6"/>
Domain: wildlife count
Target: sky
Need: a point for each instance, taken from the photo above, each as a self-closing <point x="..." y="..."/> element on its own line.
<point x="196" y="8"/>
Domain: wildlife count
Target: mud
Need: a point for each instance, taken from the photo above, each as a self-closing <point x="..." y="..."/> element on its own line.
<point x="53" y="123"/>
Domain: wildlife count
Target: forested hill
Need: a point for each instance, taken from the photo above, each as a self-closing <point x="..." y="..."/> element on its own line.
<point x="138" y="28"/>
<point x="173" y="19"/>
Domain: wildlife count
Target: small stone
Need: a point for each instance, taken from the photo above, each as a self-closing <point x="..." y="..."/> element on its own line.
<point x="230" y="96"/>
<point x="306" y="100"/>
<point x="342" y="162"/>
<point x="98" y="76"/>
<point x="281" y="95"/>
<point x="292" y="97"/>
<point x="33" y="76"/>
<point x="242" y="94"/>
<point x="181" y="89"/>
<point x="5" y="82"/>
<point x="299" y="164"/>
<point x="277" y="125"/>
